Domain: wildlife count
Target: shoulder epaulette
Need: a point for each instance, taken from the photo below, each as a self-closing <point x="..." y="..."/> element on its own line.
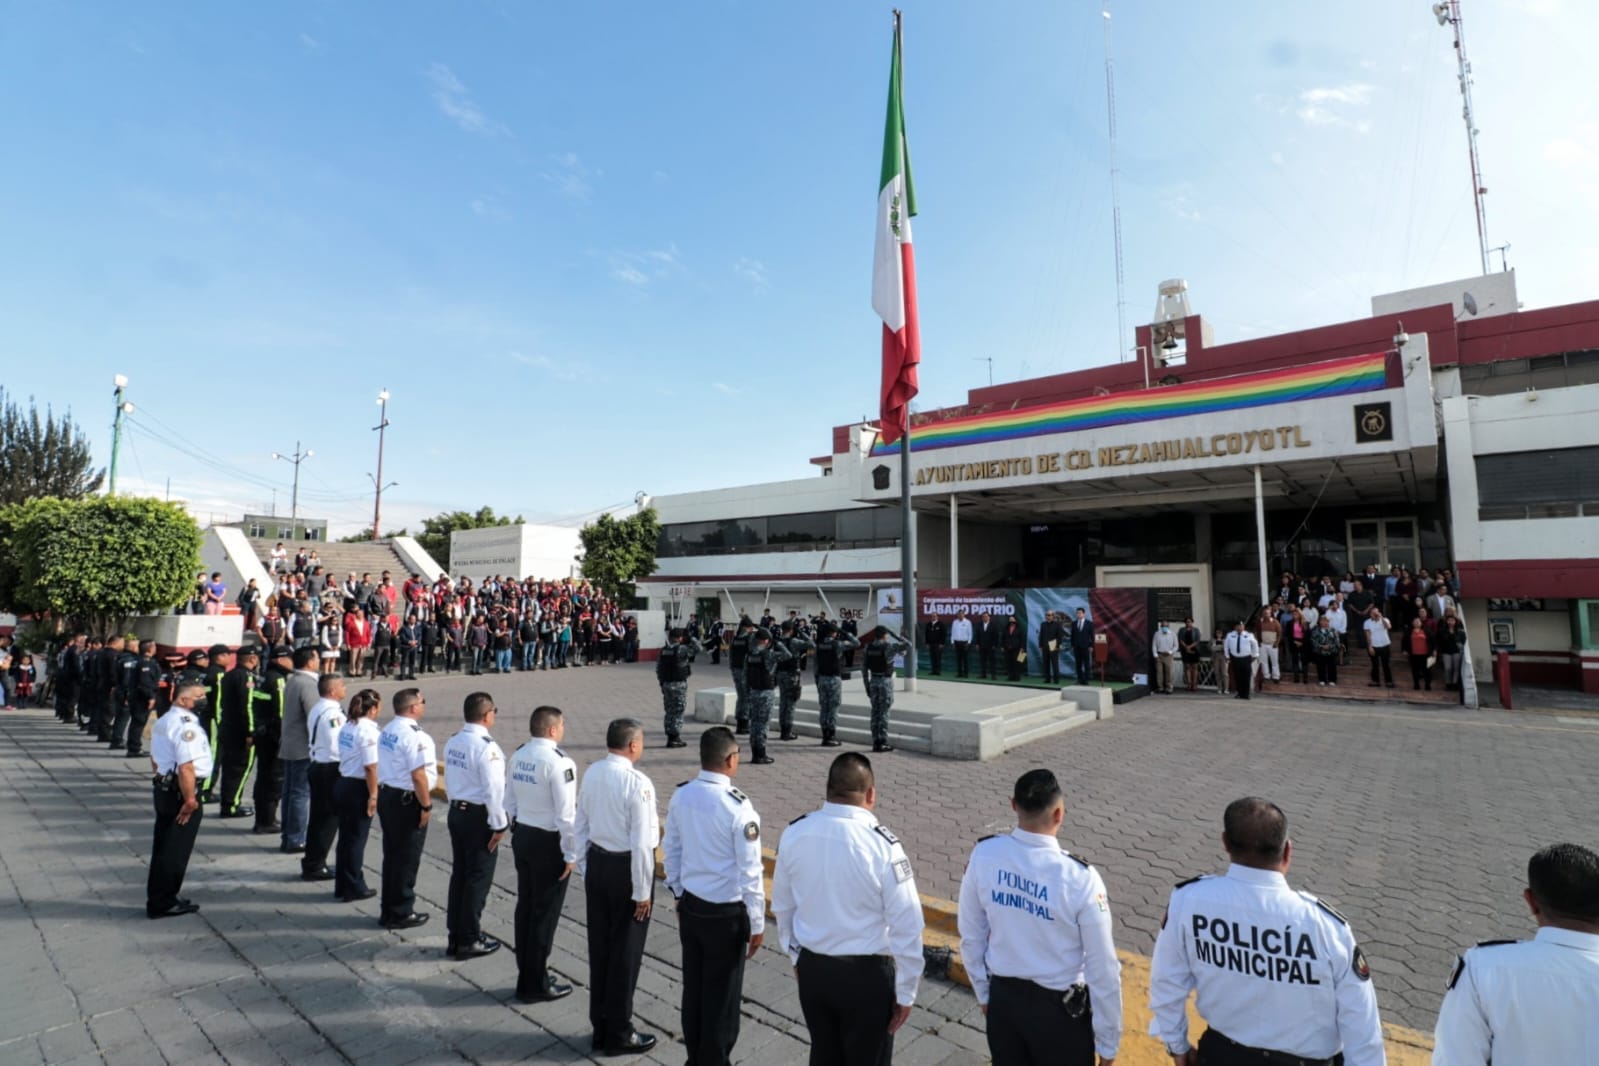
<point x="1495" y="943"/>
<point x="882" y="831"/>
<point x="680" y="784"/>
<point x="487" y="739"/>
<point x="736" y="794"/>
<point x="1191" y="880"/>
<point x="801" y="818"/>
<point x="561" y="753"/>
<point x="415" y="728"/>
<point x="1329" y="908"/>
<point x="990" y="836"/>
<point x="1078" y="859"/>
<point x="1460" y="967"/>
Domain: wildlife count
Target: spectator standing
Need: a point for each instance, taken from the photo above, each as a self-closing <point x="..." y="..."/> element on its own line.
<point x="1188" y="638"/>
<point x="215" y="594"/>
<point x="1082" y="638"/>
<point x="1418" y="649"/>
<point x="1325" y="647"/>
<point x="1379" y="646"/>
<point x="1451" y="645"/>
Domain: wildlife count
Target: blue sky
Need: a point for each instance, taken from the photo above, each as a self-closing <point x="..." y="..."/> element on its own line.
<point x="592" y="250"/>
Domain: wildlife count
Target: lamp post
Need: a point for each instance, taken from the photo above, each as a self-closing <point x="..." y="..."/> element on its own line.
<point x="294" y="500"/>
<point x="124" y="407"/>
<point x="383" y="424"/>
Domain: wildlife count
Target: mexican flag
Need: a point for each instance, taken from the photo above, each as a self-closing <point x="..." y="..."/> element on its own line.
<point x="894" y="266"/>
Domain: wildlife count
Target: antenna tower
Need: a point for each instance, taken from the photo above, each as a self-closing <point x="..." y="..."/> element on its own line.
<point x="1447" y="12"/>
<point x="1115" y="193"/>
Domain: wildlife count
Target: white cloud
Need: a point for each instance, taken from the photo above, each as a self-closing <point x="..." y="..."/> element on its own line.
<point x="456" y="104"/>
<point x="752" y="271"/>
<point x="309" y="43"/>
<point x="490" y="208"/>
<point x="630" y="275"/>
<point x="570" y="177"/>
<point x="640" y="268"/>
<point x="724" y="388"/>
<point x="1331" y="106"/>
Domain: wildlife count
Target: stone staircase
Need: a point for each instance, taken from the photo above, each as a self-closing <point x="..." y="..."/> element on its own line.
<point x="337" y="559"/>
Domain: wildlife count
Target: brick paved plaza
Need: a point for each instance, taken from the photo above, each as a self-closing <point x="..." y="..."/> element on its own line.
<point x="1416" y="823"/>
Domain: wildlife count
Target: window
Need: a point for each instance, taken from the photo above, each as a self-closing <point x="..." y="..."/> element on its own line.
<point x="1382" y="542"/>
<point x="285" y="532"/>
<point x="256" y="530"/>
<point x="817" y="528"/>
<point x="1553" y="483"/>
<point x="313" y="533"/>
<point x="867" y="527"/>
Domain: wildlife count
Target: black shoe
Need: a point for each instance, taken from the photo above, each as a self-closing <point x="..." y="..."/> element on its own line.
<point x="788" y="736"/>
<point x="741" y="730"/>
<point x="553" y="991"/>
<point x="263" y="828"/>
<point x="475" y="949"/>
<point x="763" y="759"/>
<point x="410" y="921"/>
<point x="181" y="907"/>
<point x="238" y="812"/>
<point x="357" y="897"/>
<point x="133" y="754"/>
<point x="636" y="1044"/>
<point x="676" y="742"/>
<point x="882" y="746"/>
<point x="291" y="849"/>
<point x="323" y="874"/>
<point x="830" y="741"/>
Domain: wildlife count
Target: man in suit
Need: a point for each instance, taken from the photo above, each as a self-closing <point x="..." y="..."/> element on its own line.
<point x="1083" y="646"/>
<point x="987" y="639"/>
<point x="1049" y="647"/>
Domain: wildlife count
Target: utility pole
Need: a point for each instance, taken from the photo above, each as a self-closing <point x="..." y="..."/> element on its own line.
<point x="294" y="500"/>
<point x="383" y="424"/>
<point x="124" y="407"/>
<point x="1447" y="12"/>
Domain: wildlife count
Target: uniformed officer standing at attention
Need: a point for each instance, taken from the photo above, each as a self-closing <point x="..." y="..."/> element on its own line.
<point x="270" y="694"/>
<point x="542" y="804"/>
<point x="789" y="682"/>
<point x="142" y="691"/>
<point x="832" y="649"/>
<point x="1036" y="939"/>
<point x="181" y="758"/>
<point x="125" y="674"/>
<point x="672" y="670"/>
<point x="407" y="771"/>
<point x="760" y="673"/>
<point x="1242" y="651"/>
<point x="1532" y="1001"/>
<point x="617" y="830"/>
<point x="849" y="917"/>
<point x="1279" y="974"/>
<point x="322" y="821"/>
<point x="474" y="779"/>
<point x="878" y="661"/>
<point x="219" y="662"/>
<point x="713" y="867"/>
<point x="738" y="650"/>
<point x="236" y="734"/>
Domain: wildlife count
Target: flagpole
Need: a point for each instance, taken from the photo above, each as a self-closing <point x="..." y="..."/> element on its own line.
<point x="907" y="554"/>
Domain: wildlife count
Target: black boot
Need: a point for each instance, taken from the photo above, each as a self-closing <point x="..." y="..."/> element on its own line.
<point x="879" y="746"/>
<point x="828" y="741"/>
<point x="741" y="728"/>
<point x="788" y="734"/>
<point x="676" y="742"/>
<point x="760" y="758"/>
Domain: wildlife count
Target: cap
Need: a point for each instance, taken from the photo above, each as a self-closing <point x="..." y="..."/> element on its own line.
<point x="219" y="649"/>
<point x="282" y="651"/>
<point x="827" y="629"/>
<point x="196" y="655"/>
<point x="762" y="633"/>
<point x="678" y="633"/>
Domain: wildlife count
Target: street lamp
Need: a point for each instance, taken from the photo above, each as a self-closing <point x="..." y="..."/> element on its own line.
<point x="124" y="407"/>
<point x="294" y="500"/>
<point x="383" y="424"/>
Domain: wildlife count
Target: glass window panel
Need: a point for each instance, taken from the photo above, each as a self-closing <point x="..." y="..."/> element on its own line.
<point x="817" y="527"/>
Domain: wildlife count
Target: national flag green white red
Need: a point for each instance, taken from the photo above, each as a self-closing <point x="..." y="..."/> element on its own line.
<point x="894" y="266"/>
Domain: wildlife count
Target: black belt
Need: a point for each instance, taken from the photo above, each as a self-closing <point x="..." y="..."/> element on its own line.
<point x="463" y="805"/>
<point x="1267" y="1055"/>
<point x="844" y="958"/>
<point x="704" y="905"/>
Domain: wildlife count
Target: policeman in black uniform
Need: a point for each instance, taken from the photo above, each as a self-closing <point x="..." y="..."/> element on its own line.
<point x="99" y="674"/>
<point x="236" y="733"/>
<point x="219" y="662"/>
<point x="142" y="691"/>
<point x="69" y="677"/>
<point x="738" y="650"/>
<point x="832" y="651"/>
<point x="878" y="658"/>
<point x="672" y="670"/>
<point x="268" y="731"/>
<point x="788" y="678"/>
<point x="124" y="674"/>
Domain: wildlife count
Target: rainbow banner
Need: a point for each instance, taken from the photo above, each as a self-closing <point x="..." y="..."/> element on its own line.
<point x="1339" y="377"/>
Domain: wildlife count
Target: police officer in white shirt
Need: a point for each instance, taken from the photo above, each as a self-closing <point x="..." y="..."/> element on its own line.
<point x="322" y="823"/>
<point x="1242" y="651"/>
<point x="474" y="779"/>
<point x="181" y="756"/>
<point x="713" y="867"/>
<point x="1036" y="940"/>
<point x="617" y="830"/>
<point x="407" y="772"/>
<point x="848" y="915"/>
<point x="1281" y="980"/>
<point x="1532" y="1001"/>
<point x="541" y="801"/>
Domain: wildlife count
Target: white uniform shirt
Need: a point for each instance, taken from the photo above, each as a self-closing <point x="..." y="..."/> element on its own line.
<point x="616" y="813"/>
<point x="843" y="886"/>
<point x="960" y="631"/>
<point x="713" y="845"/>
<point x="1536" y="1001"/>
<point x="543" y="791"/>
<point x="358" y="747"/>
<point x="1377" y="633"/>
<point x="178" y="738"/>
<point x="474" y="772"/>
<point x="1242" y="645"/>
<point x="1275" y="969"/>
<point x="1029" y="909"/>
<point x="322" y="727"/>
<point x="404" y="746"/>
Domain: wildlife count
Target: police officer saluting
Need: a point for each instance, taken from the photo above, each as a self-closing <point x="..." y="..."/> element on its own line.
<point x="849" y="917"/>
<point x="760" y="673"/>
<point x="878" y="660"/>
<point x="713" y="867"/>
<point x="788" y="678"/>
<point x="181" y="757"/>
<point x="672" y="670"/>
<point x="542" y="804"/>
<point x="1532" y="1001"/>
<point x="832" y="649"/>
<point x="738" y="650"/>
<point x="1036" y="939"/>
<point x="407" y="771"/>
<point x="474" y="779"/>
<point x="1280" y="977"/>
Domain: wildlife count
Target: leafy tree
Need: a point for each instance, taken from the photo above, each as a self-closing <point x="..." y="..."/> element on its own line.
<point x="96" y="561"/>
<point x="46" y="456"/>
<point x="618" y="553"/>
<point x="435" y="534"/>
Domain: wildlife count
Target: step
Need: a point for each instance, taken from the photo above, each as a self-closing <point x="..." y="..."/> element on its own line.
<point x="1048" y="728"/>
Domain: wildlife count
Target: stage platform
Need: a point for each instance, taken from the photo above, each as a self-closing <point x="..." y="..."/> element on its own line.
<point x="948" y="719"/>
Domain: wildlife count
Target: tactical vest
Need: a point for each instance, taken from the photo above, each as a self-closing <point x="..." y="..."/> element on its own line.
<point x="738" y="650"/>
<point x="876" y="658"/>
<point x="672" y="665"/>
<point x="758" y="671"/>
<point x="828" y="658"/>
<point x="793" y="663"/>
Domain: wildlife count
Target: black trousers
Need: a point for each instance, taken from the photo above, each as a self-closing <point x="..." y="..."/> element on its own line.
<point x="715" y="937"/>
<point x="96" y="712"/>
<point x="1382" y="657"/>
<point x="540" y="894"/>
<point x="1028" y="1026"/>
<point x="1242" y="668"/>
<point x="169" y="855"/>
<point x="848" y="1001"/>
<point x="117" y="733"/>
<point x="962" y="657"/>
<point x="1050" y="662"/>
<point x="235" y="759"/>
<point x="471" y="871"/>
<point x="138" y="718"/>
<point x="349" y="857"/>
<point x="1083" y="664"/>
<point x="1215" y="1049"/>
<point x="1327" y="668"/>
<point x="322" y="824"/>
<point x="985" y="661"/>
<point x="268" y="780"/>
<point x="935" y="655"/>
<point x="616" y="944"/>
<point x="66" y="701"/>
<point x="403" y="840"/>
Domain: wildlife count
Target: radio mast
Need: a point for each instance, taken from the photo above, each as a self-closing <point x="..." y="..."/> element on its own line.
<point x="1447" y="12"/>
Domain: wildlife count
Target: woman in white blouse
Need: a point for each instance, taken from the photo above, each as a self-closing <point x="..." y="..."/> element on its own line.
<point x="355" y="796"/>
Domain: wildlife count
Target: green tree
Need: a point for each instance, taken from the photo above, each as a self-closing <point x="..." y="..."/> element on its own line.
<point x="618" y="553"/>
<point x="45" y="456"/>
<point x="435" y="534"/>
<point x="98" y="561"/>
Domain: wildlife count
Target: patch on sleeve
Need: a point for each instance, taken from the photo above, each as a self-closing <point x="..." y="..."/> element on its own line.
<point x="752" y="831"/>
<point x="1460" y="968"/>
<point x="1103" y="905"/>
<point x="188" y="736"/>
<point x="494" y="755"/>
<point x="882" y="831"/>
<point x="902" y="870"/>
<point x="571" y="775"/>
<point x="1359" y="965"/>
